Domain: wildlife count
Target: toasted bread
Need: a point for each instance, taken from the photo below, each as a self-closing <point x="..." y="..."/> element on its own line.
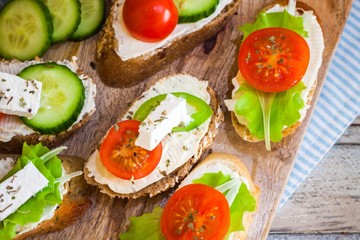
<point x="236" y="165"/>
<point x="241" y="129"/>
<point x="177" y="175"/>
<point x="115" y="72"/>
<point x="49" y="140"/>
<point x="75" y="201"/>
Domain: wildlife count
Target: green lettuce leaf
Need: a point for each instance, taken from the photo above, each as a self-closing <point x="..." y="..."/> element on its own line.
<point x="243" y="202"/>
<point x="146" y="226"/>
<point x="276" y="19"/>
<point x="285" y="110"/>
<point x="32" y="210"/>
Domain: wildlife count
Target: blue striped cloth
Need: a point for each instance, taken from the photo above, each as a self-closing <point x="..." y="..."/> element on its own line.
<point x="337" y="106"/>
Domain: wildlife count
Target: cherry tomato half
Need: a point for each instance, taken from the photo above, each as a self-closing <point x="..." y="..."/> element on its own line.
<point x="121" y="157"/>
<point x="196" y="211"/>
<point x="150" y="20"/>
<point x="273" y="59"/>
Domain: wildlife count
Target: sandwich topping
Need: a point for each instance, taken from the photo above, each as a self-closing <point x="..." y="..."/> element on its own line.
<point x="31" y="189"/>
<point x="287" y="101"/>
<point x="34" y="96"/>
<point x="200" y="208"/>
<point x="128" y="47"/>
<point x="174" y="136"/>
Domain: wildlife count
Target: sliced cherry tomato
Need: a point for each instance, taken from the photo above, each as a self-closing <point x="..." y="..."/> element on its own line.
<point x="121" y="157"/>
<point x="150" y="20"/>
<point x="196" y="211"/>
<point x="202" y="110"/>
<point x="273" y="59"/>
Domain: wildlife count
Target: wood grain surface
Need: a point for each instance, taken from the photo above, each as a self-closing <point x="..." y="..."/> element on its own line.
<point x="215" y="61"/>
<point x="327" y="204"/>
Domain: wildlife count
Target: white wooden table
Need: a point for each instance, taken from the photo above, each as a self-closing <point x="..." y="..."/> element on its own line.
<point x="327" y="204"/>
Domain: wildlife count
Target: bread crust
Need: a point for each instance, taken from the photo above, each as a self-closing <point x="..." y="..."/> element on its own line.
<point x="50" y="140"/>
<point x="236" y="165"/>
<point x="177" y="175"/>
<point x="241" y="129"/>
<point x="117" y="73"/>
<point x="75" y="202"/>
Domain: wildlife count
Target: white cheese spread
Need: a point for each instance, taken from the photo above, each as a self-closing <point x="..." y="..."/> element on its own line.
<point x="19" y="96"/>
<point x="315" y="41"/>
<point x="128" y="47"/>
<point x="178" y="147"/>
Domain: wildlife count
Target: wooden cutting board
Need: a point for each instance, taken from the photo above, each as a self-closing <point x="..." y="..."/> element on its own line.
<point x="213" y="61"/>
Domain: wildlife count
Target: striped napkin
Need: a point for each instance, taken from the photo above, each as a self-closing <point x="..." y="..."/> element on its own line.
<point x="337" y="106"/>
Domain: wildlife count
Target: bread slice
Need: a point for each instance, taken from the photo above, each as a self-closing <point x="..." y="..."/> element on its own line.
<point x="241" y="129"/>
<point x="236" y="165"/>
<point x="176" y="176"/>
<point x="75" y="202"/>
<point x="49" y="140"/>
<point x="115" y="72"/>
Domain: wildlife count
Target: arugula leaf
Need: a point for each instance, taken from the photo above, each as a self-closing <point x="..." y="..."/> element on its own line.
<point x="146" y="226"/>
<point x="32" y="210"/>
<point x="285" y="110"/>
<point x="243" y="201"/>
<point x="276" y="19"/>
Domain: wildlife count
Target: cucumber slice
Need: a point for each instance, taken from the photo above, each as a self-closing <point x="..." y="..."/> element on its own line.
<point x="62" y="97"/>
<point x="65" y="16"/>
<point x="26" y="29"/>
<point x="92" y="16"/>
<point x="194" y="10"/>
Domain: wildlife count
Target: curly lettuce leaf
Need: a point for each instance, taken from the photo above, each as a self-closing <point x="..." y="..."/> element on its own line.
<point x="276" y="19"/>
<point x="146" y="226"/>
<point x="285" y="110"/>
<point x="32" y="210"/>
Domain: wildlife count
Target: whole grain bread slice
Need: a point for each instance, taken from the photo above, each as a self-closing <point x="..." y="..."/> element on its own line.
<point x="115" y="72"/>
<point x="75" y="202"/>
<point x="176" y="176"/>
<point x="241" y="129"/>
<point x="50" y="140"/>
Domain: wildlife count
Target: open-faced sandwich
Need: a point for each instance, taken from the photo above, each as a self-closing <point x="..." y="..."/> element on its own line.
<point x="158" y="140"/>
<point x="215" y="201"/>
<point x="40" y="192"/>
<point x="141" y="36"/>
<point x="44" y="102"/>
<point x="279" y="60"/>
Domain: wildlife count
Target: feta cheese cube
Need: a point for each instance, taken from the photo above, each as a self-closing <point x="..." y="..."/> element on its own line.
<point x="19" y="188"/>
<point x="169" y="114"/>
<point x="19" y="96"/>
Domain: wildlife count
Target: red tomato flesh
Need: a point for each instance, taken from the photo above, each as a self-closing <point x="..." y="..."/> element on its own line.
<point x="150" y="20"/>
<point x="121" y="157"/>
<point x="196" y="211"/>
<point x="273" y="59"/>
